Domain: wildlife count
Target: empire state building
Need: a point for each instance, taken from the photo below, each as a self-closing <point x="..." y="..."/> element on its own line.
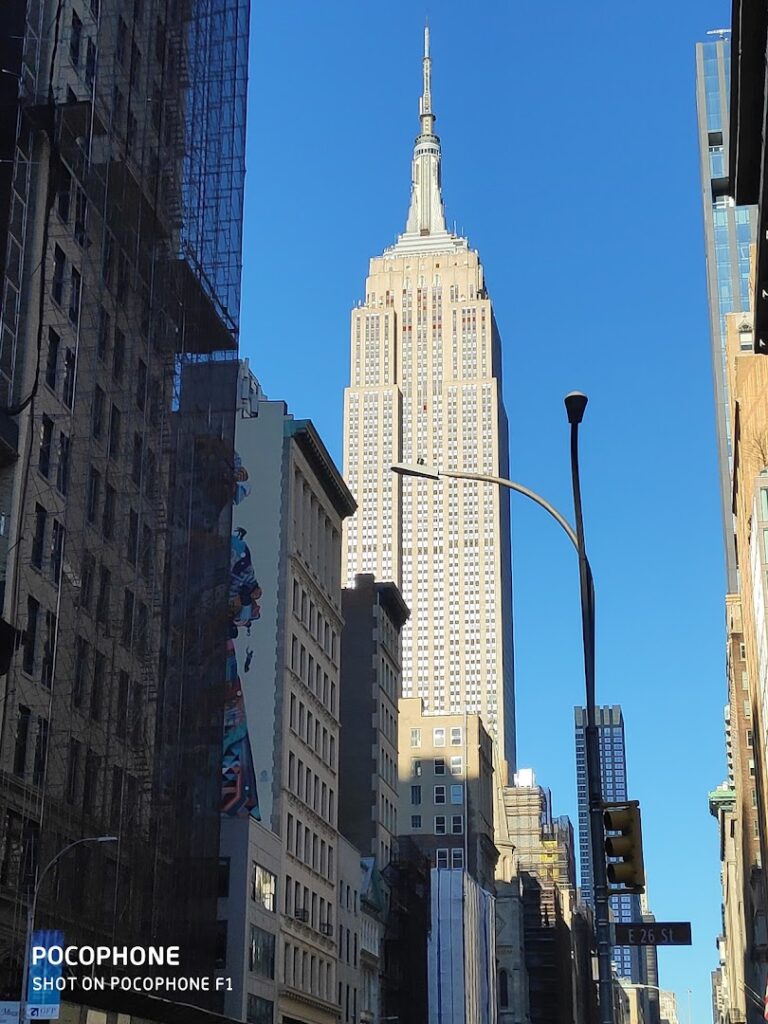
<point x="425" y="383"/>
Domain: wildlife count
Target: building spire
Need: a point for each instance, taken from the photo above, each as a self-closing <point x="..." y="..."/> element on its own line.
<point x="426" y="215"/>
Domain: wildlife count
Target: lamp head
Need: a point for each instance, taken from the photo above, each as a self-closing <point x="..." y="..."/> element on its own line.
<point x="419" y="470"/>
<point x="575" y="404"/>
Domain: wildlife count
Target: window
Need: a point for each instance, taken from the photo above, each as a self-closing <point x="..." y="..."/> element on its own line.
<point x="46" y="668"/>
<point x="49" y="647"/>
<point x="90" y="781"/>
<point x="38" y="540"/>
<point x="457" y="765"/>
<point x="102" y="601"/>
<point x="415" y="821"/>
<point x="114" y="432"/>
<point x="438" y="737"/>
<point x="62" y="469"/>
<point x="93" y="493"/>
<point x="263" y="887"/>
<point x="90" y="62"/>
<point x="97" y="686"/>
<point x="46" y="440"/>
<point x="81" y="670"/>
<point x="72" y="769"/>
<point x="457" y="794"/>
<point x="503" y="990"/>
<point x="133" y="536"/>
<point x="439" y="766"/>
<point x="128" y="601"/>
<point x="57" y="281"/>
<point x="439" y="794"/>
<point x="102" y="337"/>
<point x="456" y="736"/>
<point x="121" y="41"/>
<point x="415" y="737"/>
<point x="141" y="384"/>
<point x="108" y="514"/>
<point x="75" y="39"/>
<point x="146" y="553"/>
<point x="30" y="636"/>
<point x="57" y="550"/>
<point x="81" y="214"/>
<point x="64" y="189"/>
<point x="41" y="752"/>
<point x="261" y="952"/>
<point x="415" y="794"/>
<point x="440" y="828"/>
<point x="22" y="737"/>
<point x="121" y="719"/>
<point x="457" y="857"/>
<point x="68" y="391"/>
<point x="74" y="297"/>
<point x="118" y="355"/>
<point x="136" y="459"/>
<point x="416" y="769"/>
<point x="457" y="824"/>
<point x="116" y="800"/>
<point x="52" y="362"/>
<point x="259" y="1010"/>
<point x="441" y="858"/>
<point x="97" y="413"/>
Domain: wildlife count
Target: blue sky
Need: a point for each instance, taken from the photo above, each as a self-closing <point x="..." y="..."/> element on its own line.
<point x="570" y="161"/>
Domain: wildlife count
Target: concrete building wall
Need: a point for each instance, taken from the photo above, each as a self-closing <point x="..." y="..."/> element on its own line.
<point x="374" y="614"/>
<point x="446" y="789"/>
<point x="250" y="912"/>
<point x="291" y="687"/>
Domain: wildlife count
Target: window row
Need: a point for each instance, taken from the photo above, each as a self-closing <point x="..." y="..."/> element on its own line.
<point x="308" y="906"/>
<point x="439" y="736"/>
<point x="308" y="847"/>
<point x="313" y="675"/>
<point x="316" y="736"/>
<point x="308" y="787"/>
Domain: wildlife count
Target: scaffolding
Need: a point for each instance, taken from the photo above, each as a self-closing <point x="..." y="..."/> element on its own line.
<point x="120" y="232"/>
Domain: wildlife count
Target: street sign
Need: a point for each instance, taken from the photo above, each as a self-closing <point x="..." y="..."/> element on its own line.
<point x="43" y="997"/>
<point x="653" y="933"/>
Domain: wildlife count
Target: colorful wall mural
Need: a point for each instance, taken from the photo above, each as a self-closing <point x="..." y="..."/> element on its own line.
<point x="239" y="797"/>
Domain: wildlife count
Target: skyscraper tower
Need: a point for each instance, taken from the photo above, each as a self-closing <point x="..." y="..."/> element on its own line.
<point x="425" y="383"/>
<point x="613" y="775"/>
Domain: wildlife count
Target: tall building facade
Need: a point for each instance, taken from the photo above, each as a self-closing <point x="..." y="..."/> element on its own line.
<point x="425" y="383"/>
<point x="730" y="76"/>
<point x="121" y="192"/>
<point x="729" y="230"/>
<point x="613" y="775"/>
<point x="285" y="605"/>
<point x="374" y="614"/>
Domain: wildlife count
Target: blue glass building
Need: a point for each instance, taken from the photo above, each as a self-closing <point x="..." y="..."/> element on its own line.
<point x="613" y="771"/>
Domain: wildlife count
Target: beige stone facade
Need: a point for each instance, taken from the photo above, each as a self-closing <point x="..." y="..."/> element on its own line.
<point x="446" y="789"/>
<point x="425" y="384"/>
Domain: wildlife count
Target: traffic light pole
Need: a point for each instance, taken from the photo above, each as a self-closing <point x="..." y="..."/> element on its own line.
<point x="575" y="405"/>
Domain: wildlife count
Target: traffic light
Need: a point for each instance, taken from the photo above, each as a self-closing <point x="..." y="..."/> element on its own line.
<point x="627" y="847"/>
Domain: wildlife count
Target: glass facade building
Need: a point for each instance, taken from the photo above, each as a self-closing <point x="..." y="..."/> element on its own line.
<point x="613" y="771"/>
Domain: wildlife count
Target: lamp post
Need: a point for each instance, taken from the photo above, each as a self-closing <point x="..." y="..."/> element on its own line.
<point x="33" y="907"/>
<point x="575" y="404"/>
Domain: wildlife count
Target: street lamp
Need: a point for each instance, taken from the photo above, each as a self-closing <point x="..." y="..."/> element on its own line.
<point x="575" y="404"/>
<point x="33" y="907"/>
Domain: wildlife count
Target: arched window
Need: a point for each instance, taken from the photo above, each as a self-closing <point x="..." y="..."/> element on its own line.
<point x="503" y="990"/>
